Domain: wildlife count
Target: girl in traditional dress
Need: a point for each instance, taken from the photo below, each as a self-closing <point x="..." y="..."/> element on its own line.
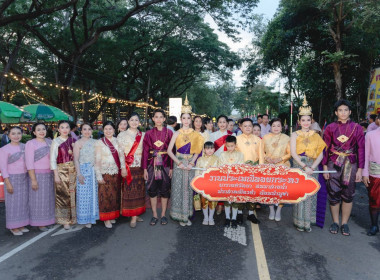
<point x="219" y="137"/>
<point x="108" y="165"/>
<point x="87" y="185"/>
<point x="41" y="178"/>
<point x="306" y="148"/>
<point x="199" y="127"/>
<point x="62" y="163"/>
<point x="277" y="151"/>
<point x="13" y="169"/>
<point x="208" y="125"/>
<point x="257" y="130"/>
<point x="189" y="144"/>
<point x="122" y="125"/>
<point x="133" y="188"/>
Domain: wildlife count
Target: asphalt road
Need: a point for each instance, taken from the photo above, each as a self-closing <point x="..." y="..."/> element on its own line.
<point x="196" y="252"/>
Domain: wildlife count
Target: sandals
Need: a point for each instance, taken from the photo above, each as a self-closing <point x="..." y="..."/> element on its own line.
<point x="153" y="221"/>
<point x="164" y="221"/>
<point x="334" y="228"/>
<point x="345" y="230"/>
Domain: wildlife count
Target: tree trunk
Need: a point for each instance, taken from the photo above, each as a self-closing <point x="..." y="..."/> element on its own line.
<point x="338" y="80"/>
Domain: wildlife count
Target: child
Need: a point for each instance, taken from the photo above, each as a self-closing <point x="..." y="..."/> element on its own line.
<point x="157" y="165"/>
<point x="252" y="148"/>
<point x="207" y="160"/>
<point x="231" y="157"/>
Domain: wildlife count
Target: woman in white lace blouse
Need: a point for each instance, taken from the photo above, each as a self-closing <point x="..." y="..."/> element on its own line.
<point x="109" y="168"/>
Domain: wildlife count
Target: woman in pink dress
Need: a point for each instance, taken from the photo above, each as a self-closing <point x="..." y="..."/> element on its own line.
<point x="41" y="178"/>
<point x="13" y="169"/>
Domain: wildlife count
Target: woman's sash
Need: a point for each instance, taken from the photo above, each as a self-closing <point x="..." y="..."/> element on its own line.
<point x="131" y="156"/>
<point x="221" y="141"/>
<point x="114" y="152"/>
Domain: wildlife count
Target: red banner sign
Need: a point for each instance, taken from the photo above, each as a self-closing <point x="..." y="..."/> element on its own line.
<point x="267" y="184"/>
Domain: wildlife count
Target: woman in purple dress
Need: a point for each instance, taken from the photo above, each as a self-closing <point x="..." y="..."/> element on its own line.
<point x="13" y="169"/>
<point x="41" y="178"/>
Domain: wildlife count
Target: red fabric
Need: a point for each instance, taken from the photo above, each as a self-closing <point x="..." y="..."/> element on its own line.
<point x="63" y="151"/>
<point x="109" y="216"/>
<point x="133" y="212"/>
<point x="374" y="192"/>
<point x="221" y="141"/>
<point x="131" y="157"/>
<point x="114" y="153"/>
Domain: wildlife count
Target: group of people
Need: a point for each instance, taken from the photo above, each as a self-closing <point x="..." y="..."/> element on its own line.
<point x="68" y="181"/>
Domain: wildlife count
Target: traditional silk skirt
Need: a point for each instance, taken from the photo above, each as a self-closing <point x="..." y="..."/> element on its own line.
<point x="182" y="194"/>
<point x="305" y="212"/>
<point x="65" y="210"/>
<point x="87" y="196"/>
<point x="109" y="197"/>
<point x="374" y="192"/>
<point x="16" y="204"/>
<point x="42" y="201"/>
<point x="133" y="196"/>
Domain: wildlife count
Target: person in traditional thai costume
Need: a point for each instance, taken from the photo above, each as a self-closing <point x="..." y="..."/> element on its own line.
<point x="371" y="176"/>
<point x="133" y="186"/>
<point x="62" y="163"/>
<point x="257" y="130"/>
<point x="157" y="165"/>
<point x="122" y="125"/>
<point x="109" y="169"/>
<point x="14" y="172"/>
<point x="251" y="146"/>
<point x="230" y="125"/>
<point x="219" y="137"/>
<point x="207" y="160"/>
<point x="199" y="127"/>
<point x="208" y="125"/>
<point x="87" y="204"/>
<point x="306" y="147"/>
<point x="41" y="178"/>
<point x="277" y="152"/>
<point x="345" y="154"/>
<point x="230" y="157"/>
<point x="188" y="144"/>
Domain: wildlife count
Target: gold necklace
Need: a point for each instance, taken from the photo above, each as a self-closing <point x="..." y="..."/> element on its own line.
<point x="306" y="139"/>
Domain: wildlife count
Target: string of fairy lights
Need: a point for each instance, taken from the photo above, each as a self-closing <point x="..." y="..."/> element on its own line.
<point x="95" y="96"/>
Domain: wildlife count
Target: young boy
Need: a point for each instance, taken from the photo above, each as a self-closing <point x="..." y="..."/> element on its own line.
<point x="230" y="157"/>
<point x="252" y="148"/>
<point x="345" y="153"/>
<point x="157" y="165"/>
<point x="207" y="160"/>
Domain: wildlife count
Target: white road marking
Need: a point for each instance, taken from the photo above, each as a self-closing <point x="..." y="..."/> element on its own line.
<point x="72" y="229"/>
<point x="237" y="235"/>
<point x="27" y="243"/>
<point x="261" y="260"/>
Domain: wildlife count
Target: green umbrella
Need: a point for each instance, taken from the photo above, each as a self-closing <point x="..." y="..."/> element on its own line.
<point x="46" y="113"/>
<point x="10" y="113"/>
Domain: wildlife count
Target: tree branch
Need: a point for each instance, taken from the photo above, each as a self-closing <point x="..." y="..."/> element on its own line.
<point x="33" y="15"/>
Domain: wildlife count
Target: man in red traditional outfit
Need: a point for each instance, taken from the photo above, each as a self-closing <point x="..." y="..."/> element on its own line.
<point x="345" y="155"/>
<point x="157" y="165"/>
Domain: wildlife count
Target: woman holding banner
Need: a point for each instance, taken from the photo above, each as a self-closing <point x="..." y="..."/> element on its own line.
<point x="277" y="151"/>
<point x="133" y="187"/>
<point x="306" y="147"/>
